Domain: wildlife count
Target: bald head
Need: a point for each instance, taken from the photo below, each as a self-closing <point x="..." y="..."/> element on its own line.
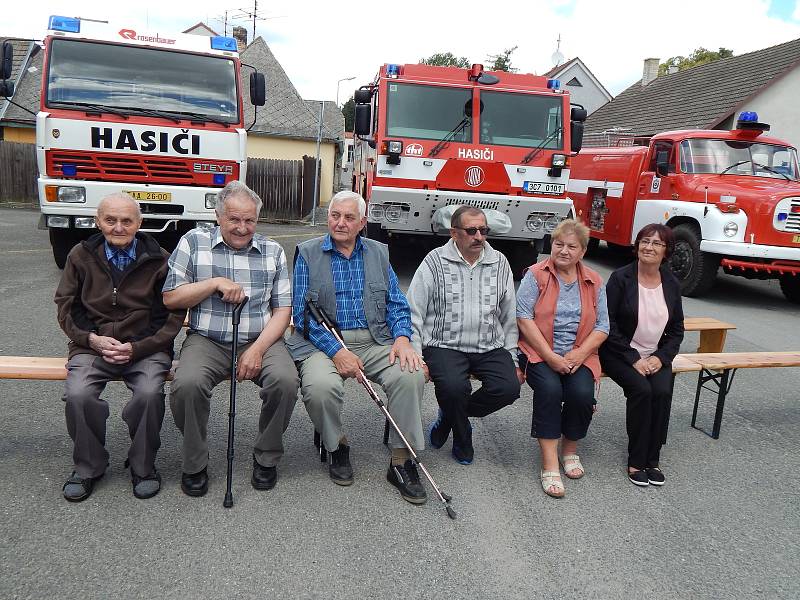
<point x="119" y="218"/>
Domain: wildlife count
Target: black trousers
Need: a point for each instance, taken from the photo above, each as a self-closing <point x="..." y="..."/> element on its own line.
<point x="647" y="409"/>
<point x="450" y="371"/>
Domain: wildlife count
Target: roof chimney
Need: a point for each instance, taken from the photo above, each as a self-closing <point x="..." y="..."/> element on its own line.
<point x="650" y="70"/>
<point x="240" y="34"/>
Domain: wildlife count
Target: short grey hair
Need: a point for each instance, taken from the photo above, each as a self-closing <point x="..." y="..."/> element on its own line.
<point x="236" y="188"/>
<point x="119" y="196"/>
<point x="466" y="211"/>
<point x="346" y="196"/>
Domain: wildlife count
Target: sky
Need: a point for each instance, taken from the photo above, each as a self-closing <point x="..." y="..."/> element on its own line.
<point x="320" y="42"/>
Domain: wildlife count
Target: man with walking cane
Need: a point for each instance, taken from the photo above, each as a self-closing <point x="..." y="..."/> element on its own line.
<point x="211" y="272"/>
<point x="351" y="280"/>
<point x="109" y="305"/>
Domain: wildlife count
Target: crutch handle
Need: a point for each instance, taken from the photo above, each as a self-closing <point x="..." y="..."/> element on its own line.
<point x="237" y="311"/>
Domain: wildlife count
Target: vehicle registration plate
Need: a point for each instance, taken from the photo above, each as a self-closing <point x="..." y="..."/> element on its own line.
<point x="796" y="239"/>
<point x="150" y="196"/>
<point x="540" y="187"/>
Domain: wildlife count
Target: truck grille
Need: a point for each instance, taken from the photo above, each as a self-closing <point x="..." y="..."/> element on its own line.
<point x="482" y="204"/>
<point x="126" y="167"/>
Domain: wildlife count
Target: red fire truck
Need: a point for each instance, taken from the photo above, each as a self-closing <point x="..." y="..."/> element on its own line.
<point x="732" y="199"/>
<point x="430" y="139"/>
<point x="159" y="117"/>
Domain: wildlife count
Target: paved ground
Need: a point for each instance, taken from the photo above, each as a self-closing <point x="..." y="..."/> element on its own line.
<point x="726" y="524"/>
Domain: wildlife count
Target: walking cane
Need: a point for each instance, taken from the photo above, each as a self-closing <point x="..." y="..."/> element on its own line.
<point x="237" y="313"/>
<point x="320" y="316"/>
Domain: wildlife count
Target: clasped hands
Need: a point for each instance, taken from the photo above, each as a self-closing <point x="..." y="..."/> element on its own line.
<point x="111" y="349"/>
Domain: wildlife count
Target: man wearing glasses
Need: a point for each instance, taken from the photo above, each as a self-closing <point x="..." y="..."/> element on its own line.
<point x="464" y="323"/>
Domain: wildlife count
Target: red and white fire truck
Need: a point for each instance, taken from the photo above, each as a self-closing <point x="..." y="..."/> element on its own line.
<point x="732" y="199"/>
<point x="430" y="139"/>
<point x="123" y="110"/>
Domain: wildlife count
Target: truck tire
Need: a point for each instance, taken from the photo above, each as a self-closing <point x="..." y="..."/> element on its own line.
<point x="696" y="270"/>
<point x="62" y="241"/>
<point x="520" y="256"/>
<point x="377" y="233"/>
<point x="790" y="286"/>
<point x="592" y="246"/>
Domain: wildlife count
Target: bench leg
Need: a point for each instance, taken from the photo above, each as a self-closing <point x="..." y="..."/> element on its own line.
<point x="723" y="381"/>
<point x="712" y="340"/>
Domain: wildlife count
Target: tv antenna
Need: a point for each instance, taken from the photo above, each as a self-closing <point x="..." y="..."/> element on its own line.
<point x="557" y="56"/>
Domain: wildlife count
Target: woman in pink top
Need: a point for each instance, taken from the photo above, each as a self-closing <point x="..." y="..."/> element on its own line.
<point x="646" y="314"/>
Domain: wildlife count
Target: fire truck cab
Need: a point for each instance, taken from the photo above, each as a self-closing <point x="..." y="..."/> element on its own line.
<point x="732" y="199"/>
<point x="157" y="116"/>
<point x="430" y="139"/>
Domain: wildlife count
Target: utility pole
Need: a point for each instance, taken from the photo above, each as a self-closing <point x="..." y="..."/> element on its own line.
<point x="316" y="165"/>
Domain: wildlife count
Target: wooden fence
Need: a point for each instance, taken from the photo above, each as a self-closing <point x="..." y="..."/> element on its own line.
<point x="283" y="186"/>
<point x="18" y="172"/>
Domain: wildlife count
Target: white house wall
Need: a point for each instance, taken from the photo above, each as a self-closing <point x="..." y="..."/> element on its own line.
<point x="777" y="105"/>
<point x="590" y="96"/>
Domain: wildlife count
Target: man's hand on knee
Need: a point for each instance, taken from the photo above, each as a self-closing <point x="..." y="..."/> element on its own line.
<point x="249" y="363"/>
<point x="348" y="364"/>
<point x="409" y="360"/>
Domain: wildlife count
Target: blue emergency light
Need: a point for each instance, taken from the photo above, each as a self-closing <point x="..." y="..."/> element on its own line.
<point x="783" y="216"/>
<point x="392" y="70"/>
<point x="748" y="116"/>
<point x="553" y="84"/>
<point x="219" y="42"/>
<point x="66" y="24"/>
<point x="69" y="170"/>
<point x="219" y="179"/>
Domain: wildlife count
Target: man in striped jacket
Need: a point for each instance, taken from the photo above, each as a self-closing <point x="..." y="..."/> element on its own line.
<point x="464" y="323"/>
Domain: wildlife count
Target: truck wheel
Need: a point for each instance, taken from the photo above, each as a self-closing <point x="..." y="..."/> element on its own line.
<point x="377" y="233"/>
<point x="520" y="256"/>
<point x="790" y="286"/>
<point x="62" y="241"/>
<point x="696" y="270"/>
<point x="592" y="246"/>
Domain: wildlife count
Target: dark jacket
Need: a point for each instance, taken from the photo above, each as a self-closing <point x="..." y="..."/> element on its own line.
<point x="622" y="293"/>
<point x="127" y="307"/>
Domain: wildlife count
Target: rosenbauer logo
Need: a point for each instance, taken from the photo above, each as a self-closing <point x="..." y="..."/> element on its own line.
<point x="130" y="34"/>
<point x="414" y="150"/>
<point x="474" y="176"/>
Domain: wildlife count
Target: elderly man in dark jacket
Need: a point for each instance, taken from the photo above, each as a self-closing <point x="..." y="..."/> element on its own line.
<point x="110" y="306"/>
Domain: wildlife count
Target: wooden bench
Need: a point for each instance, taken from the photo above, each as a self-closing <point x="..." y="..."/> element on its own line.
<point x="712" y="332"/>
<point x="44" y="368"/>
<point x="719" y="368"/>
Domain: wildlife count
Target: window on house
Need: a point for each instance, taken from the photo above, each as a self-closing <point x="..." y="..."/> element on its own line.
<point x="574" y="82"/>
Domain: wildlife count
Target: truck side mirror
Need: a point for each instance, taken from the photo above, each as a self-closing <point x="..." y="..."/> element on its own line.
<point x="362" y="96"/>
<point x="577" y="116"/>
<point x="6" y="89"/>
<point x="258" y="89"/>
<point x="6" y="60"/>
<point x="363" y="119"/>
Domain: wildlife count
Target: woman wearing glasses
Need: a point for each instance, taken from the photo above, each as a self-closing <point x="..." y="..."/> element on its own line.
<point x="562" y="320"/>
<point x="644" y="303"/>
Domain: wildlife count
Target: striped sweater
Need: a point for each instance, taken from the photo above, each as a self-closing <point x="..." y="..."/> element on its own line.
<point x="460" y="308"/>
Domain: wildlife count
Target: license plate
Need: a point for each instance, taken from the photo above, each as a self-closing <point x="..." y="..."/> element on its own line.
<point x="796" y="239"/>
<point x="540" y="187"/>
<point x="150" y="196"/>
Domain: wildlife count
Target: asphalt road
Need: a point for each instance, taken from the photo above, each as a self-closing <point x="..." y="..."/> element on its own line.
<point x="726" y="524"/>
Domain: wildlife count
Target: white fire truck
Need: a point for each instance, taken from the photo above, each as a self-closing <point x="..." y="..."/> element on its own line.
<point x="430" y="139"/>
<point x="159" y="117"/>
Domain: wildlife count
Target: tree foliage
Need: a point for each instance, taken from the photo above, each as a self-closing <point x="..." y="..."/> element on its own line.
<point x="502" y="61"/>
<point x="349" y="112"/>
<point x="446" y="59"/>
<point x="700" y="56"/>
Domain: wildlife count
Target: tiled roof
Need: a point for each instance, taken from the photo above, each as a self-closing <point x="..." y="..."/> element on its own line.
<point x="700" y="97"/>
<point x="285" y="113"/>
<point x="27" y="85"/>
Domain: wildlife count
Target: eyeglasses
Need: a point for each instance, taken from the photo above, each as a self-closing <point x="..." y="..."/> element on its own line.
<point x="653" y="243"/>
<point x="473" y="230"/>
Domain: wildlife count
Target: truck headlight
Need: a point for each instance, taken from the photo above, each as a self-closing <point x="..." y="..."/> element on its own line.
<point x="376" y="212"/>
<point x="84" y="222"/>
<point x="730" y="229"/>
<point x="552" y="223"/>
<point x="67" y="193"/>
<point x="534" y="222"/>
<point x="58" y="221"/>
<point x="393" y="213"/>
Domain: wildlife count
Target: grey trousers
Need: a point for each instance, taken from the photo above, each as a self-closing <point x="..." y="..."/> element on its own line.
<point x="323" y="390"/>
<point x="86" y="413"/>
<point x="203" y="365"/>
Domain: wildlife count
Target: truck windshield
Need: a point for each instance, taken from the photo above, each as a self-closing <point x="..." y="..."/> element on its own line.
<point x="427" y="112"/>
<point x="738" y="158"/>
<point x="526" y="120"/>
<point x="125" y="77"/>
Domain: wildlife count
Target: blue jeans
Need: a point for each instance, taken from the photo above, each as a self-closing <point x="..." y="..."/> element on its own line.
<point x="562" y="404"/>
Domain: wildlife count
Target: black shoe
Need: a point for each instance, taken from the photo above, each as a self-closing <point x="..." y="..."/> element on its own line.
<point x="639" y="478"/>
<point x="339" y="467"/>
<point x="195" y="484"/>
<point x="146" y="487"/>
<point x="439" y="431"/>
<point x="263" y="478"/>
<point x="406" y="479"/>
<point x="463" y="451"/>
<point x="78" y="489"/>
<point x="655" y="476"/>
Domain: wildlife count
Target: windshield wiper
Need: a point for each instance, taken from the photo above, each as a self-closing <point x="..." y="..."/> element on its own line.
<point x="198" y="117"/>
<point x="136" y="110"/>
<point x="535" y="152"/>
<point x="733" y="166"/>
<point x="90" y="108"/>
<point x="445" y="141"/>
<point x="771" y="170"/>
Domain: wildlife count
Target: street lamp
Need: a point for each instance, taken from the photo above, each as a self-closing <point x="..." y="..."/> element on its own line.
<point x="337" y="87"/>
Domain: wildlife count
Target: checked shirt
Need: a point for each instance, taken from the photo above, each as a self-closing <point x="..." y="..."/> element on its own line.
<point x="260" y="269"/>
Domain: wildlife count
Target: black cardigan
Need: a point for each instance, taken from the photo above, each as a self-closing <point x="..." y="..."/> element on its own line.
<point x="622" y="292"/>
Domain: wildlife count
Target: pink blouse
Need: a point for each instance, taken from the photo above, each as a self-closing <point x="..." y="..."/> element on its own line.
<point x="653" y="317"/>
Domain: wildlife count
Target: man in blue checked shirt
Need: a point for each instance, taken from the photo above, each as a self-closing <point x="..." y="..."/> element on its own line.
<point x="351" y="279"/>
<point x="211" y="271"/>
